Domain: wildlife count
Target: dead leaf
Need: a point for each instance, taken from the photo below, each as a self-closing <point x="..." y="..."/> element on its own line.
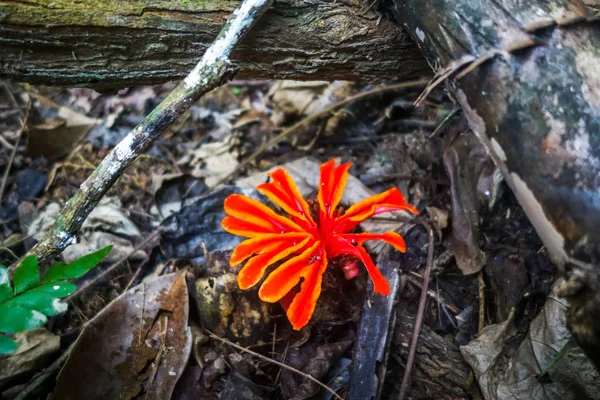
<point x="464" y="160"/>
<point x="439" y="218"/>
<point x="216" y="125"/>
<point x="482" y="354"/>
<point x="508" y="280"/>
<point x="184" y="232"/>
<point x="137" y="347"/>
<point x="312" y="360"/>
<point x="212" y="161"/>
<point x="53" y="131"/>
<point x="294" y="99"/>
<point x="36" y="348"/>
<point x="106" y="224"/>
<point x="571" y="377"/>
<point x="173" y="191"/>
<point x="240" y="387"/>
<point x="189" y="386"/>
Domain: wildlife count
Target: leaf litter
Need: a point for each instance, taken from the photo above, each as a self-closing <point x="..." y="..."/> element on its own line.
<point x="480" y="231"/>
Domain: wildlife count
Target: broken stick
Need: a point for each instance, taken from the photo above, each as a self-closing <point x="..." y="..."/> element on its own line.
<point x="212" y="71"/>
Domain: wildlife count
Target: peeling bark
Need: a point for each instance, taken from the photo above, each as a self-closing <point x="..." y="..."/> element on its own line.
<point x="527" y="76"/>
<point x="110" y="44"/>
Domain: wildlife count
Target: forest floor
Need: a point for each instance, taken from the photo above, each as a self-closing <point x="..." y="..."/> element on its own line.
<point x="492" y="326"/>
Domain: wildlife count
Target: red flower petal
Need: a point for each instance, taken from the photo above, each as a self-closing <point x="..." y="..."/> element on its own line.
<point x="390" y="200"/>
<point x="303" y="306"/>
<point x="339" y="245"/>
<point x="331" y="185"/>
<point x="257" y="244"/>
<point x="380" y="284"/>
<point x="255" y="268"/>
<point x="239" y="227"/>
<point x="283" y="192"/>
<point x="274" y="238"/>
<point x="253" y="211"/>
<point x="391" y="237"/>
<point x="284" y="278"/>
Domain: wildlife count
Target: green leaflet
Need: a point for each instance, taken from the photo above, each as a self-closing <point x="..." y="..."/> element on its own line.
<point x="45" y="298"/>
<point x="56" y="289"/>
<point x="32" y="301"/>
<point x="14" y="318"/>
<point x="7" y="345"/>
<point x="42" y="302"/>
<point x="5" y="289"/>
<point x="77" y="268"/>
<point x="27" y="275"/>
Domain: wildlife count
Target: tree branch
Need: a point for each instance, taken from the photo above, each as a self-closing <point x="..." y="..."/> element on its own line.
<point x="213" y="70"/>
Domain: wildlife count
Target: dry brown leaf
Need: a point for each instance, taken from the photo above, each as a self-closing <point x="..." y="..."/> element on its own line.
<point x="36" y="349"/>
<point x="53" y="131"/>
<point x="137" y="347"/>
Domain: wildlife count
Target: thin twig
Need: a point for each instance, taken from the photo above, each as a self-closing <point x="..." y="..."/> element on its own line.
<point x="333" y="107"/>
<point x="481" y="282"/>
<point x="137" y="273"/>
<point x="442" y="76"/>
<point x="116" y="264"/>
<point x="420" y="313"/>
<point x="14" y="151"/>
<point x="212" y="71"/>
<point x="444" y="121"/>
<point x="279" y="364"/>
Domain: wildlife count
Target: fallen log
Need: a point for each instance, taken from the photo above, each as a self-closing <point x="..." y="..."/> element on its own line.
<point x="439" y="370"/>
<point x="527" y="77"/>
<point x="112" y="44"/>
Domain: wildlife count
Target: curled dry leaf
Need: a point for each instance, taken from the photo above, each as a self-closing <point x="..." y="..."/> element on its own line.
<point x="315" y="361"/>
<point x="137" y="346"/>
<point x="465" y="160"/>
<point x="54" y="130"/>
<point x="294" y="99"/>
<point x="106" y="224"/>
<point x="184" y="232"/>
<point x="567" y="373"/>
<point x="173" y="191"/>
<point x="212" y="161"/>
<point x="377" y="322"/>
<point x="35" y="352"/>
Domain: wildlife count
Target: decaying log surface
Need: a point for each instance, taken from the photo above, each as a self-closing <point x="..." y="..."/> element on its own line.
<point x="527" y="76"/>
<point x="439" y="366"/>
<point x="111" y="44"/>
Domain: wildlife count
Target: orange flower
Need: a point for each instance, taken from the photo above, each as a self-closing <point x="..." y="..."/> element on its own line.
<point x="305" y="241"/>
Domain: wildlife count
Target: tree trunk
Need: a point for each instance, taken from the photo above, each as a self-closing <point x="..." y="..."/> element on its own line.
<point x="527" y="76"/>
<point x="111" y="44"/>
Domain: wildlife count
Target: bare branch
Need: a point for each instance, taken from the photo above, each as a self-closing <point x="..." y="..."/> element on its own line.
<point x="212" y="71"/>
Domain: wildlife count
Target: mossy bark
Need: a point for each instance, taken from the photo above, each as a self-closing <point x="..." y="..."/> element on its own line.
<point x="111" y="44"/>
